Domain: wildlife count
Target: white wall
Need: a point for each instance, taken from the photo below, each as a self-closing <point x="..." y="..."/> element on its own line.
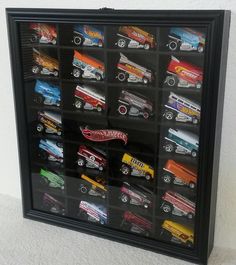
<point x="226" y="207"/>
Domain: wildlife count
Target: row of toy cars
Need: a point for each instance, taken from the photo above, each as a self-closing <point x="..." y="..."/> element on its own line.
<point x="184" y="39"/>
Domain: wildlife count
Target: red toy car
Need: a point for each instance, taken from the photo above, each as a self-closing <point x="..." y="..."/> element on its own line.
<point x="89" y="98"/>
<point x="183" y="74"/>
<point x="43" y="33"/>
<point x="136" y="223"/>
<point x="176" y="204"/>
<point x="91" y="158"/>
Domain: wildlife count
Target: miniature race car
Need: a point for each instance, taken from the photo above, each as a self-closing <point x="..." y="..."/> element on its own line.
<point x="181" y="142"/>
<point x="51" y="150"/>
<point x="132" y="72"/>
<point x="43" y="33"/>
<point x="44" y="64"/>
<point x="182" y="109"/>
<point x="136" y="195"/>
<point x="93" y="212"/>
<point x="47" y="94"/>
<point x="49" y="122"/>
<point x="178" y="233"/>
<point x="173" y="202"/>
<point x="183" y="74"/>
<point x="86" y="35"/>
<point x="134" y="105"/>
<point x="89" y="98"/>
<point x="179" y="174"/>
<point x="52" y="179"/>
<point x="136" y="223"/>
<point x="134" y="167"/>
<point x="91" y="158"/>
<point x="93" y="187"/>
<point x="186" y="39"/>
<point x="87" y="67"/>
<point x="134" y="37"/>
<point x="53" y="205"/>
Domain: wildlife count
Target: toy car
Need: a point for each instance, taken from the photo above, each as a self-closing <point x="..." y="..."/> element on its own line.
<point x="181" y="142"/>
<point x="49" y="122"/>
<point x="132" y="72"/>
<point x="178" y="233"/>
<point x="43" y="33"/>
<point x="134" y="37"/>
<point x="93" y="212"/>
<point x="93" y="187"/>
<point x="182" y="109"/>
<point x="47" y="94"/>
<point x="91" y="158"/>
<point x="177" y="204"/>
<point x="87" y="67"/>
<point x="86" y="35"/>
<point x="179" y="174"/>
<point x="136" y="195"/>
<point x="134" y="105"/>
<point x="51" y="150"/>
<point x="52" y="179"/>
<point x="183" y="74"/>
<point x="89" y="98"/>
<point x="136" y="223"/>
<point x="53" y="205"/>
<point x="186" y="39"/>
<point x="44" y="64"/>
<point x="133" y="166"/>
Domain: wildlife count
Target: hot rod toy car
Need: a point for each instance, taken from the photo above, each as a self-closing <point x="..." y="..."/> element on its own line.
<point x="51" y="179"/>
<point x="47" y="94"/>
<point x="134" y="37"/>
<point x="93" y="212"/>
<point x="93" y="187"/>
<point x="87" y="67"/>
<point x="49" y="122"/>
<point x="183" y="74"/>
<point x="89" y="98"/>
<point x="53" y="205"/>
<point x="91" y="158"/>
<point x="44" y="64"/>
<point x="178" y="233"/>
<point x="133" y="166"/>
<point x="136" y="223"/>
<point x="186" y="39"/>
<point x="132" y="72"/>
<point x="87" y="35"/>
<point x="43" y="33"/>
<point x="136" y="195"/>
<point x="182" y="109"/>
<point x="181" y="142"/>
<point x="134" y="105"/>
<point x="51" y="150"/>
<point x="173" y="202"/>
<point x="179" y="174"/>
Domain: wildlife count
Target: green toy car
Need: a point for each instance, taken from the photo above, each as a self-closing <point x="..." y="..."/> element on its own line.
<point x="51" y="179"/>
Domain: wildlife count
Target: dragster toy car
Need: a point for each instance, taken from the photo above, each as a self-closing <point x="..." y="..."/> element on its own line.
<point x="89" y="98"/>
<point x="132" y="72"/>
<point x="47" y="94"/>
<point x="43" y="33"/>
<point x="49" y="122"/>
<point x="134" y="104"/>
<point x="134" y="37"/>
<point x="51" y="150"/>
<point x="86" y="35"/>
<point x="87" y="67"/>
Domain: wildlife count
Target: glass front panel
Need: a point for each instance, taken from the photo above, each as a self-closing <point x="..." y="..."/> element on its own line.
<point x="113" y="123"/>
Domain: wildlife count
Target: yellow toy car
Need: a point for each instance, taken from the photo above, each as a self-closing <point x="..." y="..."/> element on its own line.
<point x="133" y="166"/>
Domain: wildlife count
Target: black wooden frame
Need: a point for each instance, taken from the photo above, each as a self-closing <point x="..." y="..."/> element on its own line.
<point x="217" y="24"/>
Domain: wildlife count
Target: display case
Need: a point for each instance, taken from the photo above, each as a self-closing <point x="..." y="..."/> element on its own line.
<point x="119" y="121"/>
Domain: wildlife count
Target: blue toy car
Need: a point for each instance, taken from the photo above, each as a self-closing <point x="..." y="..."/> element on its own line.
<point x="51" y="150"/>
<point x="86" y="35"/>
<point x="186" y="39"/>
<point x="47" y="94"/>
